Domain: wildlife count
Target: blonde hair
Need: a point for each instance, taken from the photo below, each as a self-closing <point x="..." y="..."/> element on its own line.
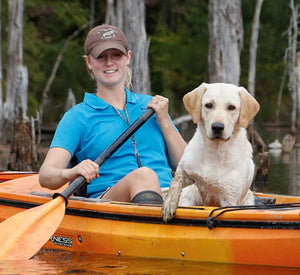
<point x="128" y="78"/>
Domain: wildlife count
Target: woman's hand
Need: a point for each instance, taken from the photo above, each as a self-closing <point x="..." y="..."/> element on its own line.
<point x="160" y="105"/>
<point x="54" y="172"/>
<point x="87" y="168"/>
<point x="175" y="143"/>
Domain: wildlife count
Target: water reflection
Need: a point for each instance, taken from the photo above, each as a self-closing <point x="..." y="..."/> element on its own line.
<point x="284" y="173"/>
<point x="58" y="262"/>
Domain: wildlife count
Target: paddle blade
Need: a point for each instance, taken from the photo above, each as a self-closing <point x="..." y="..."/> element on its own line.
<point x="24" y="234"/>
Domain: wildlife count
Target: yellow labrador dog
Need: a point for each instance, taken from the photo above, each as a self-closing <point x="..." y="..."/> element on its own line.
<point x="216" y="168"/>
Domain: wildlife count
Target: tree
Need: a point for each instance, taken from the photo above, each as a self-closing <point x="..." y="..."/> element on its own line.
<point x="252" y="69"/>
<point x="1" y="75"/>
<point x="253" y="48"/>
<point x="225" y="40"/>
<point x="17" y="74"/>
<point x="129" y="15"/>
<point x="15" y="123"/>
<point x="291" y="60"/>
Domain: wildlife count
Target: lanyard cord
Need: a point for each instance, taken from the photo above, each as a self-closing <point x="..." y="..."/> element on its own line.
<point x="133" y="141"/>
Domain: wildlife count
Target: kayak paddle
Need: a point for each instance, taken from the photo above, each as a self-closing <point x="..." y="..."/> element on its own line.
<point x="23" y="234"/>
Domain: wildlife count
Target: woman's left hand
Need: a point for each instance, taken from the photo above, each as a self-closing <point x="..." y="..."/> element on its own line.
<point x="175" y="142"/>
<point x="160" y="105"/>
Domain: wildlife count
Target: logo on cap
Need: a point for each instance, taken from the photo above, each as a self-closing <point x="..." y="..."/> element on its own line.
<point x="108" y="34"/>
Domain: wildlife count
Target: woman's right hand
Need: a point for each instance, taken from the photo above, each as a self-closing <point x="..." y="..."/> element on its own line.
<point x="87" y="168"/>
<point x="54" y="173"/>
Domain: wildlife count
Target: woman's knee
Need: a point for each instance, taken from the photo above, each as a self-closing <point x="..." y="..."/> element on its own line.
<point x="145" y="187"/>
<point x="144" y="178"/>
<point x="145" y="173"/>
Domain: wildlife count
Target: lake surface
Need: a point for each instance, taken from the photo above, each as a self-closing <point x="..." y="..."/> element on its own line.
<point x="283" y="178"/>
<point x="284" y="174"/>
<point x="58" y="262"/>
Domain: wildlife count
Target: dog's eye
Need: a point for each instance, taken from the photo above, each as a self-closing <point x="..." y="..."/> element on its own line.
<point x="231" y="107"/>
<point x="208" y="105"/>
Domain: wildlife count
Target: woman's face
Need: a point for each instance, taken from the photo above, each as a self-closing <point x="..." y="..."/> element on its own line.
<point x="109" y="67"/>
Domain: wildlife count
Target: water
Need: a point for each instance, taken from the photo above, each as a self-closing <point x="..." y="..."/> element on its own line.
<point x="58" y="262"/>
<point x="283" y="178"/>
<point x="284" y="174"/>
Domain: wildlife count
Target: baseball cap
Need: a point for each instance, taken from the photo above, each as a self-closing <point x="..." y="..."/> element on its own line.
<point x="104" y="37"/>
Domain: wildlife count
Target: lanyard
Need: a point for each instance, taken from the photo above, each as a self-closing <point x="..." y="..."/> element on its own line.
<point x="133" y="141"/>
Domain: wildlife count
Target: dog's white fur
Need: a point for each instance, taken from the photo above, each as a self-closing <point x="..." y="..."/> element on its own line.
<point x="216" y="168"/>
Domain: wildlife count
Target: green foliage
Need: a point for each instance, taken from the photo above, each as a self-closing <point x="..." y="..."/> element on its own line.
<point x="178" y="32"/>
<point x="178" y="52"/>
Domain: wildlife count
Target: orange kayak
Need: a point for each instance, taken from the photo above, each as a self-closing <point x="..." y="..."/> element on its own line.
<point x="267" y="235"/>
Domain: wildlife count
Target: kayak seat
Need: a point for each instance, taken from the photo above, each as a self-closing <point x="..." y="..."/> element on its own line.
<point x="268" y="200"/>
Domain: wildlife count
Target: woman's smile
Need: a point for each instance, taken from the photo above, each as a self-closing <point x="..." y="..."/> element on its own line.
<point x="110" y="71"/>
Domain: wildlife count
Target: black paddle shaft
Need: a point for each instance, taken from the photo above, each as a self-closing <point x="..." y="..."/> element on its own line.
<point x="80" y="180"/>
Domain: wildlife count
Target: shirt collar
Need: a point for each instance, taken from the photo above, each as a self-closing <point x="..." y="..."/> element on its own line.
<point x="130" y="97"/>
<point x="97" y="103"/>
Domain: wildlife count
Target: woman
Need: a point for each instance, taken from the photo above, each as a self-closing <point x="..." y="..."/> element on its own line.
<point x="138" y="170"/>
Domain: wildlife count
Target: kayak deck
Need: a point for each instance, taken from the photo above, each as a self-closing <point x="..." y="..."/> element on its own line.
<point x="244" y="235"/>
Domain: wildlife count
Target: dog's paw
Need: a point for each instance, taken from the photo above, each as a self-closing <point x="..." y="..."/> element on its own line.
<point x="168" y="209"/>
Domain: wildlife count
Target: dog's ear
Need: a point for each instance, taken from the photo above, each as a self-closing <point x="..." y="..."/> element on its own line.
<point x="249" y="107"/>
<point x="192" y="102"/>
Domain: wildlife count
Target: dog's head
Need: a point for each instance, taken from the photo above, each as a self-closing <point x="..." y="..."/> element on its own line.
<point x="220" y="108"/>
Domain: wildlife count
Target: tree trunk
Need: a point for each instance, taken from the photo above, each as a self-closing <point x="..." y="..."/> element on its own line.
<point x="253" y="48"/>
<point x="1" y="75"/>
<point x="110" y="17"/>
<point x="23" y="151"/>
<point x="252" y="62"/>
<point x="16" y="127"/>
<point x="71" y="100"/>
<point x="92" y="13"/>
<point x="225" y="40"/>
<point x="298" y="88"/>
<point x="16" y="73"/>
<point x="129" y="15"/>
<point x="15" y="56"/>
<point x="291" y="62"/>
<point x="119" y="18"/>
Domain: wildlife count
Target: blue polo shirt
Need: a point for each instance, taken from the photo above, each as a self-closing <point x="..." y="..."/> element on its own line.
<point x="88" y="128"/>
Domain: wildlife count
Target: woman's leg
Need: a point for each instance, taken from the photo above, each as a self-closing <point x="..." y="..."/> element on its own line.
<point x="139" y="180"/>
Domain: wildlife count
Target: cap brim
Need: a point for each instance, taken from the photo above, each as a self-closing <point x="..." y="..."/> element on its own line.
<point x="105" y="46"/>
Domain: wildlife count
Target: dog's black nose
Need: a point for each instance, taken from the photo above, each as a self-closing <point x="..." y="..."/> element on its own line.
<point x="217" y="127"/>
